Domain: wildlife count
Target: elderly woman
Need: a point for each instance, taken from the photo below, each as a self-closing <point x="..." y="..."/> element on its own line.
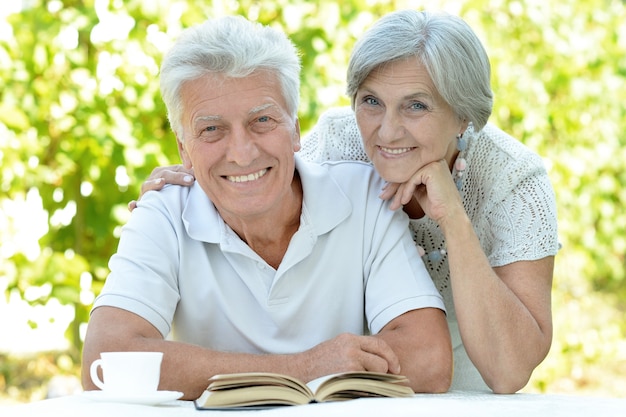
<point x="482" y="209"/>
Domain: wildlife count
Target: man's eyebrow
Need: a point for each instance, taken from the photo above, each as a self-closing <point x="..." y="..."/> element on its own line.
<point x="260" y="108"/>
<point x="252" y="111"/>
<point x="207" y="118"/>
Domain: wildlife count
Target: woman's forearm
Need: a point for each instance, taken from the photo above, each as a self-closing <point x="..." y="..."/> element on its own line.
<point x="504" y="314"/>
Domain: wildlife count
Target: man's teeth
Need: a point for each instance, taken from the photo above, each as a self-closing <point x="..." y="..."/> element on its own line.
<point x="246" y="178"/>
<point x="395" y="150"/>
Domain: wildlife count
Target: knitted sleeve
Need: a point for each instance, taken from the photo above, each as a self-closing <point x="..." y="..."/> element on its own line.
<point x="527" y="227"/>
<point x="516" y="219"/>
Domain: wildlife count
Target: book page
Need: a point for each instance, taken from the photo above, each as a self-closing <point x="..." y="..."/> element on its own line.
<point x="315" y="384"/>
<point x="253" y="389"/>
<point x="246" y="379"/>
<point x="351" y="385"/>
<point x="252" y="396"/>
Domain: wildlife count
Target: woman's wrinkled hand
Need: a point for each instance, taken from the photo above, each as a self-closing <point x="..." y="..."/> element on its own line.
<point x="432" y="186"/>
<point x="172" y="174"/>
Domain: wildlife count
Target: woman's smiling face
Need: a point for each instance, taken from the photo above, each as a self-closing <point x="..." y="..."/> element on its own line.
<point x="404" y="122"/>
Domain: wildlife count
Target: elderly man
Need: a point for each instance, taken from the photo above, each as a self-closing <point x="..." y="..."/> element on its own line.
<point x="266" y="263"/>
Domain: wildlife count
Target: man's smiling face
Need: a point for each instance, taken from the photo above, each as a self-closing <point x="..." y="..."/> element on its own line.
<point x="240" y="140"/>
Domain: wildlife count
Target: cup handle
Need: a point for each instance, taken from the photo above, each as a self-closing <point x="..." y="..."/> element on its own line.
<point x="93" y="372"/>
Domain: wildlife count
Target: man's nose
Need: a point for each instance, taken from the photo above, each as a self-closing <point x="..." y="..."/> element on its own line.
<point x="242" y="148"/>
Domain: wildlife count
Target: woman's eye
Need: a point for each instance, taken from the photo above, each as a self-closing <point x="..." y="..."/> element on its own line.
<point x="371" y="101"/>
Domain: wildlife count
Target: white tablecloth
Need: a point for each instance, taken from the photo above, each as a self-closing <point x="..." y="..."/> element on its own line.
<point x="452" y="404"/>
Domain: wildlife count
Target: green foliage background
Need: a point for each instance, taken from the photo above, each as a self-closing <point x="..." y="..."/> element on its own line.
<point x="82" y="125"/>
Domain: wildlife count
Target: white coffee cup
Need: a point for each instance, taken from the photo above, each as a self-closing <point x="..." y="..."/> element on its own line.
<point x="127" y="373"/>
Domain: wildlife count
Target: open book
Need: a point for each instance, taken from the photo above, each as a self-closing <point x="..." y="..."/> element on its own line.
<point x="256" y="389"/>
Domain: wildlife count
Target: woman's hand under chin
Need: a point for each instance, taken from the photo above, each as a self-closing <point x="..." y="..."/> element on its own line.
<point x="432" y="187"/>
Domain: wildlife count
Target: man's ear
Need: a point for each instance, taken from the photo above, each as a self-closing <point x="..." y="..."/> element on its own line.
<point x="296" y="140"/>
<point x="184" y="156"/>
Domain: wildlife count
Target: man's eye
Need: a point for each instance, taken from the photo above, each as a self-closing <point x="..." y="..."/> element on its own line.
<point x="211" y="133"/>
<point x="263" y="124"/>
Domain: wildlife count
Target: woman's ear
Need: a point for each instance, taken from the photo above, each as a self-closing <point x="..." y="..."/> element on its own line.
<point x="464" y="125"/>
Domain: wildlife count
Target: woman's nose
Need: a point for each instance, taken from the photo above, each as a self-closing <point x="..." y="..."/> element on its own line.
<point x="391" y="127"/>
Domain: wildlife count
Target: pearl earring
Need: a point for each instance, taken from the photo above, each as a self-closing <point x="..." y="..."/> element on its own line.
<point x="460" y="165"/>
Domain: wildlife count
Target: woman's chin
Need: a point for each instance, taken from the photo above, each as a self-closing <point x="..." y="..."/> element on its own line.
<point x="392" y="172"/>
<point x="392" y="175"/>
<point x="394" y="178"/>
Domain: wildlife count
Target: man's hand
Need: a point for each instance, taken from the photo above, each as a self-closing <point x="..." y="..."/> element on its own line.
<point x="348" y="352"/>
<point x="173" y="174"/>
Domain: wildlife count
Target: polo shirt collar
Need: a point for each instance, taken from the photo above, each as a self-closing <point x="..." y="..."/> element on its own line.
<point x="324" y="201"/>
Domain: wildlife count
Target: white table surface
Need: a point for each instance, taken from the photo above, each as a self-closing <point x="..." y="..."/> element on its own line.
<point x="456" y="404"/>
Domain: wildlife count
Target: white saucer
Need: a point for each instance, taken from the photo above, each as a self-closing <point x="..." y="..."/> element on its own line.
<point x="151" y="398"/>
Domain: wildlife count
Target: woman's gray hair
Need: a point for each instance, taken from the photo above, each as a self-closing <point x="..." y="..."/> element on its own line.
<point x="447" y="47"/>
<point x="234" y="47"/>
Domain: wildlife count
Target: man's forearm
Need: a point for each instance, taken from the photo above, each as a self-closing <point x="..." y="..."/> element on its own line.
<point x="185" y="367"/>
